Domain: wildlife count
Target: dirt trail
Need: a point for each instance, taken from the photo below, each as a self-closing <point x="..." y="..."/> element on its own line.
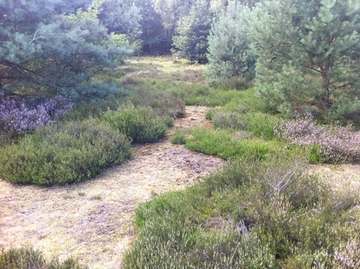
<point x="92" y="221"/>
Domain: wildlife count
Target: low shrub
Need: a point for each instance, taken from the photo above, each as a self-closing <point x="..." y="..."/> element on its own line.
<point x="164" y="239"/>
<point x="179" y="137"/>
<point x="140" y="124"/>
<point x="258" y="149"/>
<point x="227" y="120"/>
<point x="63" y="153"/>
<point x="250" y="214"/>
<point x="259" y="124"/>
<point x="210" y="113"/>
<point x="328" y="143"/>
<point x="26" y="258"/>
<point x="18" y="118"/>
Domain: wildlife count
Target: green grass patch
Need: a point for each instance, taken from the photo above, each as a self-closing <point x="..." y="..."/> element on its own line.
<point x="226" y="144"/>
<point x="63" y="153"/>
<point x="214" y="142"/>
<point x="179" y="137"/>
<point x="24" y="258"/>
<point x="206" y="95"/>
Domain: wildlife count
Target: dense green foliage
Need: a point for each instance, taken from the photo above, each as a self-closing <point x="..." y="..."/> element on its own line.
<point x="121" y="17"/>
<point x="308" y="56"/>
<point x="138" y="124"/>
<point x="190" y="41"/>
<point x="229" y="48"/>
<point x="58" y="48"/>
<point x="63" y="153"/>
<point x="155" y="40"/>
<point x="24" y="258"/>
<point x="248" y="215"/>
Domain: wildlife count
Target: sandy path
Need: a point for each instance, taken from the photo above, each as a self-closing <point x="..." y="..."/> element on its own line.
<point x="92" y="221"/>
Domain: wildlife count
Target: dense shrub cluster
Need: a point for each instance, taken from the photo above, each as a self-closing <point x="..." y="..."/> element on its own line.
<point x="248" y="215"/>
<point x="16" y="117"/>
<point x="26" y="258"/>
<point x="329" y="143"/>
<point x="140" y="124"/>
<point x="63" y="153"/>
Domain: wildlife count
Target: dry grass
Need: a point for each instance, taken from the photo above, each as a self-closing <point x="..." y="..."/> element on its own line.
<point x="165" y="68"/>
<point x="340" y="176"/>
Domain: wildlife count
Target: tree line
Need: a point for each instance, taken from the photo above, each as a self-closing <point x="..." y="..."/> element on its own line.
<point x="303" y="56"/>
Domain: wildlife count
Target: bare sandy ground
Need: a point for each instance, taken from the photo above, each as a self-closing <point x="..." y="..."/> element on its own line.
<point x="92" y="221"/>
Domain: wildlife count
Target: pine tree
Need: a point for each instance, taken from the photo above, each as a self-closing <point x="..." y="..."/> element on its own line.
<point x="48" y="45"/>
<point x="190" y="41"/>
<point x="121" y="17"/>
<point x="154" y="37"/>
<point x="308" y="56"/>
<point x="229" y="52"/>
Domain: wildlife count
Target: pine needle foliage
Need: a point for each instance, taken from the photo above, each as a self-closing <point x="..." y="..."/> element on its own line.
<point x="229" y="51"/>
<point x="308" y="56"/>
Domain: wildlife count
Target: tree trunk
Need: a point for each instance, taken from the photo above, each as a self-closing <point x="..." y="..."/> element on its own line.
<point x="326" y="99"/>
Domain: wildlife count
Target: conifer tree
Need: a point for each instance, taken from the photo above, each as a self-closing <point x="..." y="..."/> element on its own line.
<point x="308" y="56"/>
<point x="190" y="41"/>
<point x="154" y="37"/>
<point x="229" y="53"/>
<point x="48" y="45"/>
<point x="121" y="17"/>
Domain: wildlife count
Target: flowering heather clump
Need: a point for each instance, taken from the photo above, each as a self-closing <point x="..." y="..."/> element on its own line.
<point x="18" y="118"/>
<point x="337" y="144"/>
<point x="348" y="255"/>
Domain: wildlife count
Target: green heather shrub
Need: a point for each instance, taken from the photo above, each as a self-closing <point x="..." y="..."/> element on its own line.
<point x="210" y="113"/>
<point x="140" y="124"/>
<point x="27" y="258"/>
<point x="164" y="239"/>
<point x="227" y="120"/>
<point x="260" y="124"/>
<point x="258" y="149"/>
<point x="250" y="214"/>
<point x="179" y="137"/>
<point x="64" y="153"/>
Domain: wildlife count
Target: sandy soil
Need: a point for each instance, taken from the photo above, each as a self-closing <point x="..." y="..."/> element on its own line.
<point x="92" y="221"/>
